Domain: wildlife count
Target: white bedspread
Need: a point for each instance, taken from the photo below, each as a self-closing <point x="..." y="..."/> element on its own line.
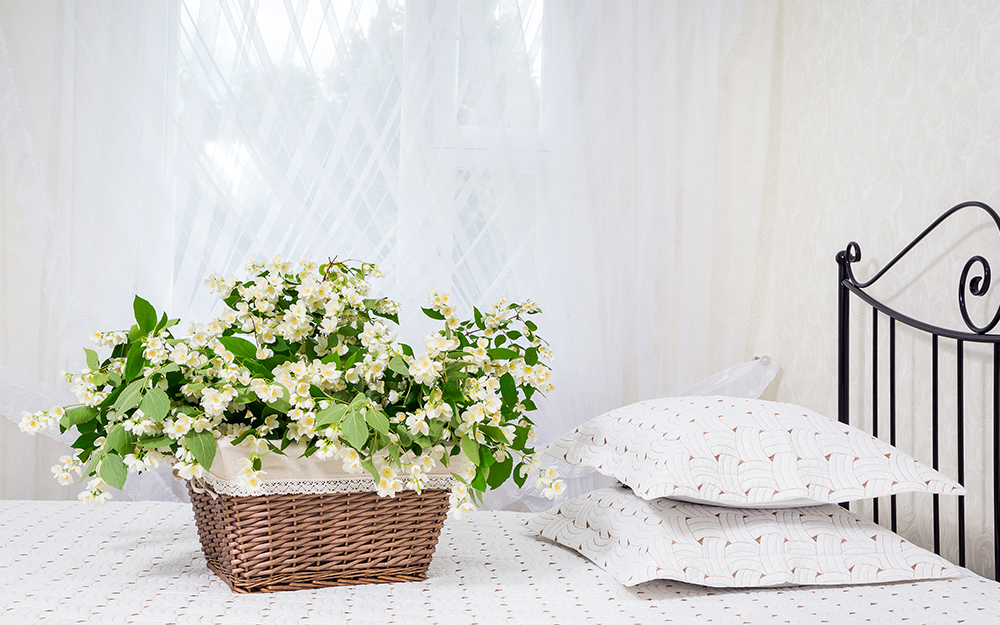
<point x="61" y="562"/>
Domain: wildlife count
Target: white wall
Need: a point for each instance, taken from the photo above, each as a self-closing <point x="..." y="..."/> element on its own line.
<point x="887" y="113"/>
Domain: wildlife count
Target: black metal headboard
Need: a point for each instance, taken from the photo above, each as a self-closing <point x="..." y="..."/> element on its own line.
<point x="978" y="285"/>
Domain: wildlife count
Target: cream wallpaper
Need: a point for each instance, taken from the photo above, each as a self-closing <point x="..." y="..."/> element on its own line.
<point x="885" y="114"/>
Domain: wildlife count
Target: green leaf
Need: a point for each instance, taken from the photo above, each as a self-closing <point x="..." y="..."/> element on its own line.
<point x="282" y="404"/>
<point x="155" y="404"/>
<point x="190" y="411"/>
<point x="450" y="392"/>
<point x="130" y="397"/>
<point x="393" y="317"/>
<point x="135" y="361"/>
<point x="396" y="364"/>
<point x="433" y="314"/>
<point x="479" y="318"/>
<point x="508" y="389"/>
<point x="153" y="443"/>
<point x="531" y="356"/>
<point x="531" y="325"/>
<point x="407" y="350"/>
<point x="331" y="416"/>
<point x="354" y="429"/>
<point x="170" y="367"/>
<point x="499" y="472"/>
<point x="202" y="447"/>
<point x="514" y="335"/>
<point x="500" y="340"/>
<point x="145" y="315"/>
<point x="92" y="459"/>
<point x="93" y="362"/>
<point x="162" y="323"/>
<point x="239" y="439"/>
<point x="501" y="353"/>
<point x="519" y="479"/>
<point x="370" y="466"/>
<point x="486" y="458"/>
<point x="100" y="379"/>
<point x="359" y="400"/>
<point x="471" y="449"/>
<point x="520" y="437"/>
<point x="479" y="483"/>
<point x="436" y="428"/>
<point x="85" y="441"/>
<point x="75" y="416"/>
<point x="114" y="378"/>
<point x="117" y="439"/>
<point x="245" y="398"/>
<point x="113" y="471"/>
<point x="241" y="348"/>
<point x="495" y="433"/>
<point x="378" y="421"/>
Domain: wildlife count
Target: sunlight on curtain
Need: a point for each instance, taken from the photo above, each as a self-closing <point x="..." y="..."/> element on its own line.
<point x="603" y="158"/>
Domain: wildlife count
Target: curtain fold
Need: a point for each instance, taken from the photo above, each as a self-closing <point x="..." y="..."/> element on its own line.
<point x="602" y="158"/>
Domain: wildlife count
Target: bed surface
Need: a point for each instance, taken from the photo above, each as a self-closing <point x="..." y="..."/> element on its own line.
<point x="140" y="562"/>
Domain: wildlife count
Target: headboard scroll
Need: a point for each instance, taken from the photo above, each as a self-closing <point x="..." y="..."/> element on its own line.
<point x="978" y="285"/>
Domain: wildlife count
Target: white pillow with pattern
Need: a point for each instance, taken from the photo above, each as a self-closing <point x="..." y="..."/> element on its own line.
<point x="738" y="452"/>
<point x="637" y="541"/>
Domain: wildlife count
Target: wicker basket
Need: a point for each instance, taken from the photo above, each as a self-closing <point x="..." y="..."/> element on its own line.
<point x="292" y="542"/>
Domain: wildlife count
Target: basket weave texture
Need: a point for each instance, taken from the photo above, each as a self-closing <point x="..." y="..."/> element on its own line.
<point x="292" y="542"/>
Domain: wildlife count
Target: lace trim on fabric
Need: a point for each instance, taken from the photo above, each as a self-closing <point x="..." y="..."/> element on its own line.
<point x="315" y="486"/>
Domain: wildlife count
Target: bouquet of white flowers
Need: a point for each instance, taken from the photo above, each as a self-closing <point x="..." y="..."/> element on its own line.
<point x="303" y="354"/>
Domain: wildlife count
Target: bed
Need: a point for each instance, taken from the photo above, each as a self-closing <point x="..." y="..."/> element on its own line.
<point x="140" y="562"/>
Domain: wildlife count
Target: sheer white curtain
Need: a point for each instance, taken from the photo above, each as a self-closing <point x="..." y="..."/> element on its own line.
<point x="603" y="158"/>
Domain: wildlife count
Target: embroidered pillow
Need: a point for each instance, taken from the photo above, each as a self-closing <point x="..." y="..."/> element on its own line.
<point x="637" y="540"/>
<point x="738" y="452"/>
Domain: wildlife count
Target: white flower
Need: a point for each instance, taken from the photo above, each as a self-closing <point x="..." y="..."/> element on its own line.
<point x="29" y="423"/>
<point x="214" y="402"/>
<point x="417" y="425"/>
<point x="462" y="510"/>
<point x="94" y="498"/>
<point x="435" y="344"/>
<point x="555" y="489"/>
<point x="96" y="493"/>
<point x="251" y="480"/>
<point x="388" y="487"/>
<point x="352" y="462"/>
<point x="134" y="464"/>
<point x="255" y="445"/>
<point x="179" y="427"/>
<point x="424" y="370"/>
<point x="190" y="470"/>
<point x="326" y="449"/>
<point x="152" y="459"/>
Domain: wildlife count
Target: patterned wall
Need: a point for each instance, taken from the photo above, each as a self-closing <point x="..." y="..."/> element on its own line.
<point x="886" y="113"/>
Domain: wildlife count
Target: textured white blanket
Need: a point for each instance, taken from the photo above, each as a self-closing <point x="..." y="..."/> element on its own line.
<point x="61" y="562"/>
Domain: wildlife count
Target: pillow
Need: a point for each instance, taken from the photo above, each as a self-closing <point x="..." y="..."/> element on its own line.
<point x="637" y="540"/>
<point x="747" y="453"/>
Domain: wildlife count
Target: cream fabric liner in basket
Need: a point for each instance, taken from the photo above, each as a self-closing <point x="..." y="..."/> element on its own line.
<point x="291" y="474"/>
